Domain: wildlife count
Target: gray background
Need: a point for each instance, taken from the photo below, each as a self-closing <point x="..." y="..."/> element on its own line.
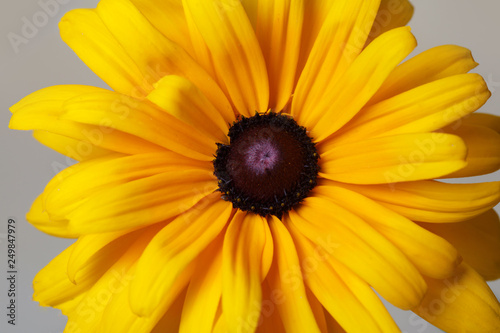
<point x="45" y="60"/>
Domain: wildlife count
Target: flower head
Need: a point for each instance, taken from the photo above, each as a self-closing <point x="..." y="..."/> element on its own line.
<point x="266" y="166"/>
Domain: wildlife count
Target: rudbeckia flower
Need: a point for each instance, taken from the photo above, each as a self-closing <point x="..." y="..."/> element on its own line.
<point x="266" y="166"/>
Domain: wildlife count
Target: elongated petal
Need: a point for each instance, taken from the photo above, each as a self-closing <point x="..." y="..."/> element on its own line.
<point x="431" y="201"/>
<point x="315" y="14"/>
<point x="52" y="286"/>
<point x="171" y="320"/>
<point x="432" y="255"/>
<point x="204" y="292"/>
<point x="120" y="307"/>
<point x="236" y="54"/>
<point x="286" y="279"/>
<point x="68" y="307"/>
<point x="393" y="159"/>
<point x="317" y="309"/>
<point x="346" y="297"/>
<point x="243" y="251"/>
<point x="202" y="53"/>
<point x="370" y="300"/>
<point x="477" y="240"/>
<point x="42" y="110"/>
<point x="278" y="29"/>
<point x="155" y="54"/>
<point x="180" y="98"/>
<point x="482" y="119"/>
<point x="391" y="14"/>
<point x="168" y="17"/>
<point x="85" y="32"/>
<point x="340" y="40"/>
<point x="173" y="249"/>
<point x="431" y="65"/>
<point x="423" y="109"/>
<point x="345" y="237"/>
<point x="89" y="250"/>
<point x="483" y="149"/>
<point x="127" y="192"/>
<point x="141" y="202"/>
<point x="141" y="119"/>
<point x="342" y="99"/>
<point x="463" y="303"/>
<point x="96" y="285"/>
<point x="41" y="220"/>
<point x="270" y="319"/>
<point x="72" y="148"/>
<point x="79" y="183"/>
<point x="332" y="325"/>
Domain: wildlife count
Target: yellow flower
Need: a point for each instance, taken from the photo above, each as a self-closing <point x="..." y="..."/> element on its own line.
<point x="326" y="145"/>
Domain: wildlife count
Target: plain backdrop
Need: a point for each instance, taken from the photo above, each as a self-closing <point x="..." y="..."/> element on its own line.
<point x="44" y="60"/>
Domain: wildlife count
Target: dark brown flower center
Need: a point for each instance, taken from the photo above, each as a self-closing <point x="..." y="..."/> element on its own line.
<point x="269" y="166"/>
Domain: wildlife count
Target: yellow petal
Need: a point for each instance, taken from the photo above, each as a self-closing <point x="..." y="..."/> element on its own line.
<point x="278" y="29"/>
<point x="432" y="255"/>
<point x="237" y="57"/>
<point x="344" y="96"/>
<point x="317" y="309"/>
<point x="42" y="110"/>
<point x="75" y="149"/>
<point x="430" y="201"/>
<point x="156" y="55"/>
<point x="483" y="148"/>
<point x="477" y="240"/>
<point x="463" y="303"/>
<point x="86" y="315"/>
<point x="204" y="292"/>
<point x="90" y="250"/>
<point x="244" y="247"/>
<point x="220" y="325"/>
<point x="52" y="286"/>
<point x="41" y="220"/>
<point x="339" y="234"/>
<point x="141" y="202"/>
<point x="332" y="325"/>
<point x="286" y="281"/>
<point x="393" y="159"/>
<point x="171" y="320"/>
<point x="141" y="119"/>
<point x="270" y="319"/>
<point x="79" y="183"/>
<point x="202" y="53"/>
<point x="173" y="249"/>
<point x="423" y="109"/>
<point x="391" y="14"/>
<point x="482" y="119"/>
<point x="67" y="308"/>
<point x="85" y="33"/>
<point x="431" y="65"/>
<point x="348" y="298"/>
<point x="338" y="43"/>
<point x="168" y="17"/>
<point x="180" y="98"/>
<point x="140" y="189"/>
<point x="119" y="317"/>
<point x="315" y="14"/>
